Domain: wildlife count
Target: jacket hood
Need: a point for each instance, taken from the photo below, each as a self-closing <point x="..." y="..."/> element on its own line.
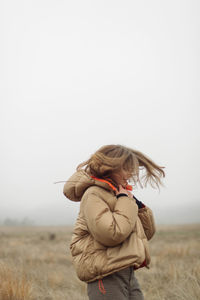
<point x="79" y="182"/>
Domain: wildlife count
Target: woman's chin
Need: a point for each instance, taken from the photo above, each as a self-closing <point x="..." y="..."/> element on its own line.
<point x="124" y="185"/>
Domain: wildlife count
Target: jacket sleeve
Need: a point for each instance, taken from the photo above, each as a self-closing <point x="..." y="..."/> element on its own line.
<point x="146" y="217"/>
<point x="107" y="227"/>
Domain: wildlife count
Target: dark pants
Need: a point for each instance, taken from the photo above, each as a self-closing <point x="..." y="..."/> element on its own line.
<point x="121" y="285"/>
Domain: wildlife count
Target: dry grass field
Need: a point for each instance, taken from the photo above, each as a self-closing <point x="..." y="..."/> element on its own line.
<point x="35" y="264"/>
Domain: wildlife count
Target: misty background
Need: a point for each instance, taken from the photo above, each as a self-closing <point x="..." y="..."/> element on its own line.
<point x="76" y="75"/>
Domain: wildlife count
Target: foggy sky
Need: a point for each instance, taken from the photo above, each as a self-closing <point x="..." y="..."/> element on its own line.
<point x="76" y="75"/>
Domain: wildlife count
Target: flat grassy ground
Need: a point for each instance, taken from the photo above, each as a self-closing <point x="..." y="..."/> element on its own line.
<point x="35" y="264"/>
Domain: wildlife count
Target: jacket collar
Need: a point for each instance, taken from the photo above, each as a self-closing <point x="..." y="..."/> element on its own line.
<point x="128" y="187"/>
<point x="105" y="181"/>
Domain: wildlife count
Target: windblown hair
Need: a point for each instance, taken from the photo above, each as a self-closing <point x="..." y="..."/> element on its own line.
<point x="111" y="159"/>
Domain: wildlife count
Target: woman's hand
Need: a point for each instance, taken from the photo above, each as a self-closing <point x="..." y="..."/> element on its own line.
<point x="122" y="190"/>
<point x="130" y="194"/>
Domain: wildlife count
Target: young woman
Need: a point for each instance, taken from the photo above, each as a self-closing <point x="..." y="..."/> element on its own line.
<point x="110" y="237"/>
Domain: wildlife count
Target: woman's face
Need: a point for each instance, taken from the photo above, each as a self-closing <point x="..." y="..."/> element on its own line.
<point x="122" y="177"/>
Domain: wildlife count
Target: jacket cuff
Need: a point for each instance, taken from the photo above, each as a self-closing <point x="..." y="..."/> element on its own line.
<point x="121" y="195"/>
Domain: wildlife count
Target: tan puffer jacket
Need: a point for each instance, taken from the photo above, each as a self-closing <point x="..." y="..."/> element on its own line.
<point x="110" y="234"/>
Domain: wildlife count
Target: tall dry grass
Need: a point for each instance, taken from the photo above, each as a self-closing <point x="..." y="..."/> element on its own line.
<point x="13" y="284"/>
<point x="35" y="264"/>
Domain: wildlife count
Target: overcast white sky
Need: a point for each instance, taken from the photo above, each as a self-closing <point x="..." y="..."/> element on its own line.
<point x="76" y="75"/>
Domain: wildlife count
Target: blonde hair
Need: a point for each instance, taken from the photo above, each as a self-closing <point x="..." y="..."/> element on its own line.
<point x="111" y="159"/>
